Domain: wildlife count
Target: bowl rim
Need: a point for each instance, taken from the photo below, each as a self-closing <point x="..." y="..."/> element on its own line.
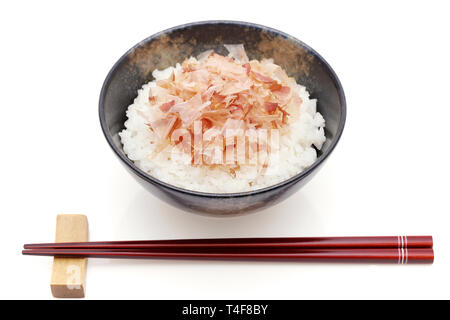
<point x="145" y="176"/>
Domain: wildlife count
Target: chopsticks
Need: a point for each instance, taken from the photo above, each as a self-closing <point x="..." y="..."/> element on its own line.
<point x="395" y="249"/>
<point x="289" y="242"/>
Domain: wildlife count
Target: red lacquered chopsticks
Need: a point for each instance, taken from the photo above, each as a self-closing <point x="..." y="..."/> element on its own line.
<point x="289" y="242"/>
<point x="398" y="249"/>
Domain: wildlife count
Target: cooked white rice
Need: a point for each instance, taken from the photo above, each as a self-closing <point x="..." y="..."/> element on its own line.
<point x="295" y="155"/>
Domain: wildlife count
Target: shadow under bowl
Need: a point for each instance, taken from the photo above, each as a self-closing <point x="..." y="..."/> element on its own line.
<point x="168" y="47"/>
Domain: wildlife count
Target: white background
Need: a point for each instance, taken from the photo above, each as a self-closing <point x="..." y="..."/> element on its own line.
<point x="388" y="175"/>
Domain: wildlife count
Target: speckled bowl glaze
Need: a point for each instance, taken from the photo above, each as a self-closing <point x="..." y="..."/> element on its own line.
<point x="167" y="48"/>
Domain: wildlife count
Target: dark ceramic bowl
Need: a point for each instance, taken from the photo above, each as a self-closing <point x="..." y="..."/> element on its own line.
<point x="167" y="48"/>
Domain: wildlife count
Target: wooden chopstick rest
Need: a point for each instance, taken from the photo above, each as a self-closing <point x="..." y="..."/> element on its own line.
<point x="68" y="274"/>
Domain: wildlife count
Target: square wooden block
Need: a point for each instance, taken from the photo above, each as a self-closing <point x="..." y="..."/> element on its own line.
<point x="68" y="274"/>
